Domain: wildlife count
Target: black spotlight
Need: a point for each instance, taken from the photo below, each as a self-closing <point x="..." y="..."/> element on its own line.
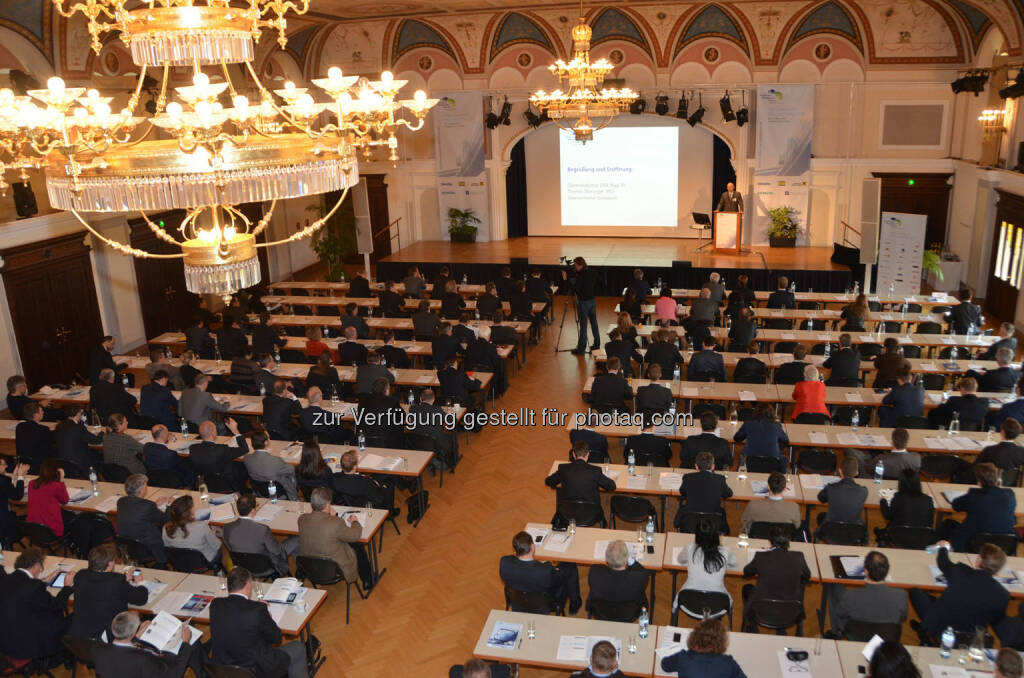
<point x="681" y="111"/>
<point x="506" y="111"/>
<point x="532" y="119"/>
<point x="972" y="81"/>
<point x="697" y="115"/>
<point x="1016" y="89"/>
<point x="726" y="104"/>
<point x="661" y="104"/>
<point x="24" y="199"/>
<point x="638" y="107"/>
<point x="743" y="115"/>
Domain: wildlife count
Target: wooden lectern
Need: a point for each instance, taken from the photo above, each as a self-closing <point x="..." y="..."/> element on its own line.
<point x="728" y="232"/>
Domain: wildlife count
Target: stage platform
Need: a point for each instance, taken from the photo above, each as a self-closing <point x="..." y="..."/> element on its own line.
<point x="673" y="259"/>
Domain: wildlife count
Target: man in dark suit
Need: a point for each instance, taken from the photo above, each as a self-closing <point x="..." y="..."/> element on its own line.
<point x="123" y="659"/>
<point x="972" y="597"/>
<point x="596" y="443"/>
<point x="481" y="354"/>
<point x="781" y="575"/>
<point x="716" y="287"/>
<point x="782" y="297"/>
<point x="17" y="398"/>
<point x="279" y="406"/>
<point x="743" y="330"/>
<point x="580" y="480"/>
<point x="102" y="358"/>
<point x="703" y="309"/>
<point x="703" y="491"/>
<point x="265" y="376"/>
<point x="502" y="334"/>
<point x="209" y="457"/>
<point x="618" y="581"/>
<point x="353" y="319"/>
<point x="231" y="340"/>
<point x="707" y="363"/>
<point x="242" y="633"/>
<point x="663" y="352"/>
<point x="1000" y="380"/>
<point x="444" y="345"/>
<point x="874" y="603"/>
<point x="107" y="397"/>
<point x="610" y="391"/>
<point x="845" y="499"/>
<point x="370" y="372"/>
<point x="265" y="338"/>
<point x="380" y="416"/>
<point x="439" y="282"/>
<point x="1006" y="340"/>
<point x="101" y="593"/>
<point x="391" y="354"/>
<point x="965" y="314"/>
<point x="989" y="509"/>
<point x="456" y="385"/>
<point x="750" y="369"/>
<point x="970" y="409"/>
<point x="160" y="457"/>
<point x="350" y="351"/>
<point x="488" y="302"/>
<point x="141" y="519"/>
<point x="707" y="441"/>
<point x="158" y="402"/>
<point x="200" y="340"/>
<point x="654" y="397"/>
<point x="905" y="399"/>
<point x="625" y="351"/>
<point x="73" y="439"/>
<point x="520" y="572"/>
<point x="1005" y="455"/>
<point x="648" y="447"/>
<point x="360" y="489"/>
<point x="33" y="440"/>
<point x="359" y="286"/>
<point x="793" y="371"/>
<point x="33" y="621"/>
<point x="428" y="417"/>
<point x="505" y="285"/>
<point x="844" y="364"/>
<point x="391" y="301"/>
<point x="245" y="535"/>
<point x="1011" y="410"/>
<point x="314" y="421"/>
<point x="243" y="371"/>
<point x="730" y="200"/>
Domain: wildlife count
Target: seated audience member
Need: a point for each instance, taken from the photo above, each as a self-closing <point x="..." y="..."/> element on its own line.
<point x="856" y="315"/>
<point x="488" y="302"/>
<point x="265" y="467"/>
<point x="245" y="535"/>
<point x="706" y="364"/>
<point x="391" y="354"/>
<point x="1009" y="663"/>
<point x="121" y="448"/>
<point x="708" y="440"/>
<point x="17" y="398"/>
<point x="101" y="357"/>
<point x="158" y="360"/>
<point x="443" y="345"/>
<point x="33" y="440"/>
<point x="782" y="297"/>
<point x="324" y="377"/>
<point x="706" y="561"/>
<point x="101" y="593"/>
<point x="703" y="309"/>
<point x="316" y="422"/>
<point x="266" y="338"/>
<point x="1006" y="340"/>
<point x="793" y="371"/>
<point x="845" y="499"/>
<point x="428" y="418"/>
<point x="1002" y="379"/>
<point x="502" y="333"/>
<point x="610" y="391"/>
<point x="452" y="302"/>
<point x="898" y="459"/>
<point x="1006" y="455"/>
<point x="315" y="344"/>
<point x="742" y="295"/>
<point x="763" y="435"/>
<point x="242" y="633"/>
<point x="654" y="397"/>
<point x="972" y="597"/>
<point x="889" y="364"/>
<point x="773" y="508"/>
<point x="704" y="656"/>
<point x="353" y="319"/>
<point x="844" y="364"/>
<point x="579" y="480"/>
<point x="781" y="575"/>
<point x="157" y="401"/>
<point x="280" y="406"/>
<point x="891" y="660"/>
<point x="209" y="457"/>
<point x="391" y="301"/>
<point x="743" y="330"/>
<point x="809" y="394"/>
<point x="910" y="505"/>
<point x="521" y="572"/>
<point x="604" y="662"/>
<point x="360" y="489"/>
<point x="188" y="371"/>
<point x="32" y="620"/>
<point x="122" y="658"/>
<point x="703" y="490"/>
<point x="1011" y="410"/>
<point x="370" y="372"/>
<point x="312" y="471"/>
<point x="964" y="314"/>
<point x="641" y="287"/>
<point x="905" y="399"/>
<point x="616" y="580"/>
<point x="632" y="305"/>
<point x="359" y="286"/>
<point x="141" y="519"/>
<point x="968" y="407"/>
<point x="197" y="404"/>
<point x="183" y="531"/>
<point x="107" y="397"/>
<point x="649" y="448"/>
<point x="322" y="533"/>
<point x="989" y="508"/>
<point x="424" y="321"/>
<point x="350" y="351"/>
<point x="381" y="416"/>
<point x="413" y="283"/>
<point x="12" y="488"/>
<point x="873" y="603"/>
<point x="662" y="351"/>
<point x="482" y="355"/>
<point x="200" y="340"/>
<point x="665" y="306"/>
<point x="750" y="369"/>
<point x="231" y="340"/>
<point x="47" y="494"/>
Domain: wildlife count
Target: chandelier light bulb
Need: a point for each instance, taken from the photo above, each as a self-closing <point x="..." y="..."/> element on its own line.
<point x="203" y="111"/>
<point x="201" y="79"/>
<point x="80" y="114"/>
<point x="334" y="74"/>
<point x="174" y="109"/>
<point x="387" y="77"/>
<point x="289" y="86"/>
<point x="55" y="85"/>
<point x="420" y="96"/>
<point x="241" y="103"/>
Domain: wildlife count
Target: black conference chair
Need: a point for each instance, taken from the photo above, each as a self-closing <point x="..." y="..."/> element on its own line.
<point x="632" y="509"/>
<point x="604" y="610"/>
<point x="813" y="418"/>
<point x="701" y="604"/>
<point x="168" y="478"/>
<point x="81" y="652"/>
<point x="1007" y="542"/>
<point x="585" y="513"/>
<point x="43" y="537"/>
<point x="135" y="550"/>
<point x="772" y="613"/>
<point x="321" y="571"/>
<point x="259" y="564"/>
<point x="540" y="602"/>
<point x="813" y="460"/>
<point x="766" y="464"/>
<point x="763" y="530"/>
<point x="225" y="671"/>
<point x="114" y="473"/>
<point x="911" y="537"/>
<point x="188" y="560"/>
<point x="861" y="631"/>
<point x="688" y="522"/>
<point x="848" y="534"/>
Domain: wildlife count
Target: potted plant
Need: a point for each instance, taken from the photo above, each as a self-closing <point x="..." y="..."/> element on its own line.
<point x="336" y="240"/>
<point x="784" y="228"/>
<point x="461" y="225"/>
<point x="931" y="264"/>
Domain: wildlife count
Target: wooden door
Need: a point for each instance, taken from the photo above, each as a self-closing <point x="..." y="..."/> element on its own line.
<point x="926" y="194"/>
<point x="1006" y="267"/>
<point x="377" y="196"/>
<point x="52" y="296"/>
<point x="166" y="304"/>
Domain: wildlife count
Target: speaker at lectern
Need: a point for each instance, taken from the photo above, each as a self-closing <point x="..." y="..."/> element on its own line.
<point x="728" y="231"/>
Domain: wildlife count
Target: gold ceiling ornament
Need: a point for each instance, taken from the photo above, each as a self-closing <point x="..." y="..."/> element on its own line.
<point x="206" y="147"/>
<point x="584" y="98"/>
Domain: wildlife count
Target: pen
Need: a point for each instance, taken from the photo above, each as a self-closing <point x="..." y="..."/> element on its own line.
<point x="519" y="643"/>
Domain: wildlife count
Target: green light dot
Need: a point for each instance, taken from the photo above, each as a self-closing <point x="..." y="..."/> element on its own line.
<point x="910" y="182"/>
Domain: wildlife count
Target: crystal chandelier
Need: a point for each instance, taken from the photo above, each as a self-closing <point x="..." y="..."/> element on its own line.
<point x="207" y="147"/>
<point x="584" y="99"/>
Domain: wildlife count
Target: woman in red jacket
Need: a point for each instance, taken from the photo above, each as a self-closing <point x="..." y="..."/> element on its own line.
<point x="809" y="394"/>
<point x="46" y="495"/>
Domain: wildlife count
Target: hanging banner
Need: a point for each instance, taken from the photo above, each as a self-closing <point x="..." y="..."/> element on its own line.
<point x="785" y="122"/>
<point x="461" y="174"/>
<point x="900" y="250"/>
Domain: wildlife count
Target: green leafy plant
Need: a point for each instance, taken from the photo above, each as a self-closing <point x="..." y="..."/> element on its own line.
<point x="784" y="224"/>
<point x="461" y="223"/>
<point x="336" y="241"/>
<point x="931" y="262"/>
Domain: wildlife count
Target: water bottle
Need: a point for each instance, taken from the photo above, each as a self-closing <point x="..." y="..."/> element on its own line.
<point x="263" y="389"/>
<point x="728" y="322"/>
<point x="217" y="356"/>
<point x="124" y="379"/>
<point x="810" y="324"/>
<point x="952" y="355"/>
<point x="792" y="287"/>
<point x="362" y="440"/>
<point x="630" y="461"/>
<point x="334" y="395"/>
<point x="828" y="350"/>
<point x="272" y="491"/>
<point x="948" y="641"/>
<point x="650" y="529"/>
<point x="672" y="411"/>
<point x="676" y="373"/>
<point x="658" y="284"/>
<point x="277" y="355"/>
<point x="369" y="312"/>
<point x="411" y="399"/>
<point x="734" y="416"/>
<point x="465" y="279"/>
<point x="954" y="424"/>
<point x="204" y="491"/>
<point x="183" y="426"/>
<point x="327" y="332"/>
<point x="94" y="481"/>
<point x="644" y="621"/>
<point x="856" y="288"/>
<point x="904" y="309"/>
<point x="879" y="472"/>
<point x="476" y="314"/>
<point x="855" y="420"/>
<point x="342" y="275"/>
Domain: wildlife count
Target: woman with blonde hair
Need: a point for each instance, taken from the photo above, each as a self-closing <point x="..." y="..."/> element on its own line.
<point x="627" y="331"/>
<point x="856" y="315"/>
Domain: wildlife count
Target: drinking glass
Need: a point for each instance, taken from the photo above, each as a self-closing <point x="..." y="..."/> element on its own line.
<point x="531" y="630"/>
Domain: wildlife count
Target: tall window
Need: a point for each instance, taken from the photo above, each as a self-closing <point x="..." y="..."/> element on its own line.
<point x="1008" y="254"/>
